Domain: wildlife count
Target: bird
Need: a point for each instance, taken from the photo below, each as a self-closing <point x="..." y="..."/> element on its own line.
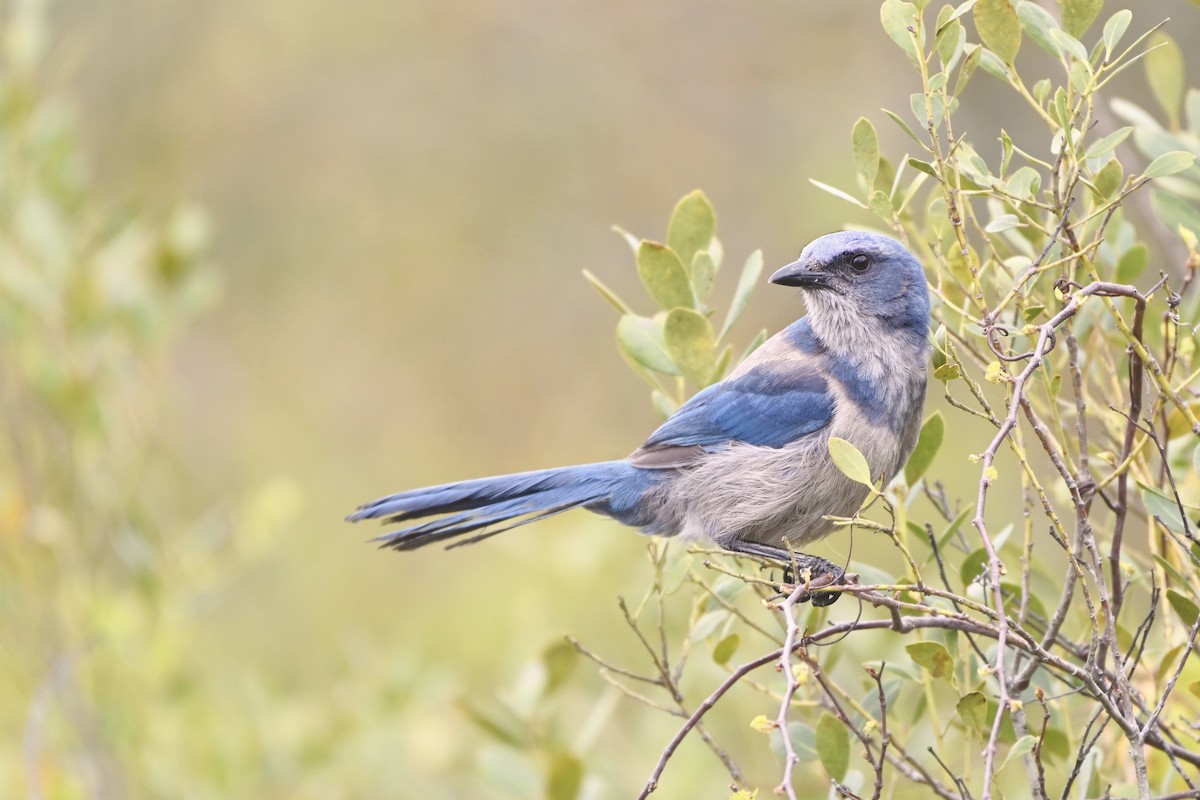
<point x="745" y="463"/>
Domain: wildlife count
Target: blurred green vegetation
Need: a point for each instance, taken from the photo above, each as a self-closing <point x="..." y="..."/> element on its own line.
<point x="382" y="292"/>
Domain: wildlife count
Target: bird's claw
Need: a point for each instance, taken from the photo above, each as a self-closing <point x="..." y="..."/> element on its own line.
<point x="816" y="574"/>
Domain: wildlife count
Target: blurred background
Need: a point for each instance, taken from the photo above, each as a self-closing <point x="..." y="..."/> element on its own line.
<point x="379" y="212"/>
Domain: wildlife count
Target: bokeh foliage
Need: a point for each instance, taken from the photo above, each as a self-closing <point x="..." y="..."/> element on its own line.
<point x="106" y="689"/>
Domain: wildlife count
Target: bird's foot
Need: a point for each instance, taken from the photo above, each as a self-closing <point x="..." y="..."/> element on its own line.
<point x="813" y="572"/>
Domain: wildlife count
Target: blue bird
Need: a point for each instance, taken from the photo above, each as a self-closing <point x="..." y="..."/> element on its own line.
<point x="745" y="463"/>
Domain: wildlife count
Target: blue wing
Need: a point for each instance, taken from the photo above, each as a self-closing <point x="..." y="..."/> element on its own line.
<point x="771" y="404"/>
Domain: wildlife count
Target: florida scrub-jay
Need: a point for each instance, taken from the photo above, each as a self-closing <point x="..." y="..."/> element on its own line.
<point x="744" y="463"/>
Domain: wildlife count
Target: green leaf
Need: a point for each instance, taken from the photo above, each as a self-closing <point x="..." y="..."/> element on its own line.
<point x="1114" y="29"/>
<point x="1022" y="746"/>
<point x="973" y="711"/>
<point x="498" y="721"/>
<point x="950" y="37"/>
<point x="741" y="296"/>
<point x="607" y="293"/>
<point x="1165" y="73"/>
<point x="1194" y="688"/>
<point x="1171" y="570"/>
<point x="1041" y="90"/>
<point x="1132" y="263"/>
<point x="692" y="345"/>
<point x="703" y="271"/>
<point x="708" y="624"/>
<point x="663" y="276"/>
<point x="904" y="126"/>
<point x="994" y="65"/>
<point x="934" y="657"/>
<point x="1004" y="222"/>
<point x="559" y="659"/>
<point x="938" y="352"/>
<point x="960" y="10"/>
<point x="1184" y="606"/>
<point x="1078" y="15"/>
<point x="928" y="442"/>
<point x="1037" y="22"/>
<point x="1108" y="143"/>
<point x="1191" y="107"/>
<point x="631" y="240"/>
<point x="973" y="566"/>
<point x="865" y="143"/>
<point x="674" y="574"/>
<point x="641" y="338"/>
<point x="1108" y="179"/>
<point x="1164" y="508"/>
<point x="947" y="372"/>
<point x="851" y="462"/>
<point x="922" y="166"/>
<point x="999" y="28"/>
<point x="897" y="18"/>
<point x="1025" y="183"/>
<point x="726" y="648"/>
<point x="1174" y="212"/>
<point x="837" y="192"/>
<point x="693" y="223"/>
<point x="1068" y="43"/>
<point x="1169" y="164"/>
<point x="564" y="778"/>
<point x="833" y="746"/>
<point x="967" y="69"/>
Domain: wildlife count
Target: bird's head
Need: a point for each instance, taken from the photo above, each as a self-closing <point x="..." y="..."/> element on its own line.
<point x="855" y="275"/>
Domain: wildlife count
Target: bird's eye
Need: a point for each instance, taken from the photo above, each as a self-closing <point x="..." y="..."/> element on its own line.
<point x="860" y="262"/>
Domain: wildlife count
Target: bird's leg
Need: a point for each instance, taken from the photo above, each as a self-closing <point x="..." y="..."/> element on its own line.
<point x="820" y="572"/>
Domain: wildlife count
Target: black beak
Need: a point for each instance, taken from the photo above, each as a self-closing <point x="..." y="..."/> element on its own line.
<point x="798" y="274"/>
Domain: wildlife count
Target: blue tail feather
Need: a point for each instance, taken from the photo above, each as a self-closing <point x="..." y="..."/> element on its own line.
<point x="477" y="505"/>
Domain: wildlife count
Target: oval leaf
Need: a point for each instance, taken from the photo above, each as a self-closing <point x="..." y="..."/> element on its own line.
<point x="1114" y="29"/>
<point x="932" y="656"/>
<point x="1108" y="143"/>
<point x="663" y="275"/>
<point x="848" y="459"/>
<point x="898" y="18"/>
<point x="1131" y="265"/>
<point x="1037" y="22"/>
<point x="1184" y="606"/>
<point x="559" y="659"/>
<point x="972" y="710"/>
<point x="1069" y="44"/>
<point x="641" y="338"/>
<point x="1004" y="222"/>
<point x="691" y="344"/>
<point x="726" y="648"/>
<point x="865" y="143"/>
<point x="930" y="439"/>
<point x="1021" y="747"/>
<point x="833" y="746"/>
<point x="1078" y="15"/>
<point x="704" y="269"/>
<point x="1169" y="164"/>
<point x="999" y="28"/>
<point x="693" y="223"/>
<point x="1165" y="73"/>
<point x="565" y="777"/>
<point x="973" y="566"/>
